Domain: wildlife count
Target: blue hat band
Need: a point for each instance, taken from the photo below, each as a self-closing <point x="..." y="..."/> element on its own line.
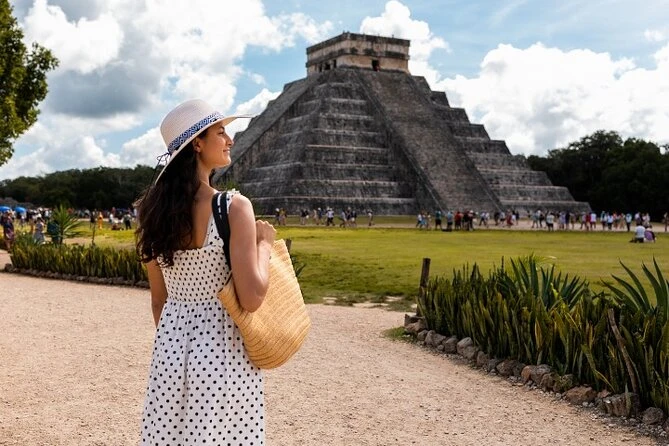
<point x="193" y="130"/>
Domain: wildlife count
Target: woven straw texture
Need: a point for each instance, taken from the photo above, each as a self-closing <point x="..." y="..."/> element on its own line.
<point x="277" y="330"/>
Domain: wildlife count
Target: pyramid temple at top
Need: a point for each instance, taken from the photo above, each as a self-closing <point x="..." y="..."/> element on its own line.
<point x="361" y="132"/>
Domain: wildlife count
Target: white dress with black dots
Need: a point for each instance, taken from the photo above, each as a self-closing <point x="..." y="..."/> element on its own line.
<point x="202" y="389"/>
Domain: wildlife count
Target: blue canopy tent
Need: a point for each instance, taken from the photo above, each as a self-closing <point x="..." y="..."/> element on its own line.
<point x="5" y="208"/>
<point x="19" y="209"/>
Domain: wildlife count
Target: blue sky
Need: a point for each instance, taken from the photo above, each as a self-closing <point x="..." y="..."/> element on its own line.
<point x="538" y="74"/>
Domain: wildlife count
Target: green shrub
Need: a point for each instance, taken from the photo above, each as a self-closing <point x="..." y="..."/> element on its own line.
<point x="77" y="260"/>
<point x="534" y="314"/>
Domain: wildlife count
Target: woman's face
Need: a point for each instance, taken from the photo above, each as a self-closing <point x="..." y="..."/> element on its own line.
<point x="213" y="147"/>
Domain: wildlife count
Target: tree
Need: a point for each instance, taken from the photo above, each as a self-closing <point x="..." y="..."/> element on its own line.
<point x="611" y="174"/>
<point x="22" y="81"/>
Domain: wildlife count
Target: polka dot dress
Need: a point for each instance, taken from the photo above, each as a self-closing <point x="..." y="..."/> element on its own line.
<point x="203" y="389"/>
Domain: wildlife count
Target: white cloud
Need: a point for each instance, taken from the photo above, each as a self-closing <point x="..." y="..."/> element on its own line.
<point x="144" y="149"/>
<point x="123" y="63"/>
<point x="541" y="98"/>
<point x="82" y="46"/>
<point x="80" y="153"/>
<point x="655" y="35"/>
<point x="396" y="21"/>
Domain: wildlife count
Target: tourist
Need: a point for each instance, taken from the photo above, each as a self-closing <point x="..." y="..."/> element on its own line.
<point x="38" y="235"/>
<point x="329" y="217"/>
<point x="550" y="219"/>
<point x="437" y="220"/>
<point x="7" y="230"/>
<point x="639" y="234"/>
<point x="649" y="235"/>
<point x="202" y="387"/>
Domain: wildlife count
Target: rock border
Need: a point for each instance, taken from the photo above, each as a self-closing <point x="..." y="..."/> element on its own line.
<point x="119" y="281"/>
<point x="624" y="408"/>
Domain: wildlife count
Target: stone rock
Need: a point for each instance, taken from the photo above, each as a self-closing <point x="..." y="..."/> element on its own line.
<point x="434" y="339"/>
<point x="440" y="347"/>
<point x="548" y="380"/>
<point x="507" y="367"/>
<point x="622" y="405"/>
<point x="526" y="373"/>
<point x="652" y="416"/>
<point x="421" y="335"/>
<point x="9" y="267"/>
<point x="451" y="345"/>
<point x="467" y="349"/>
<point x="470" y="352"/>
<point x="415" y="327"/>
<point x="539" y="371"/>
<point x="603" y="394"/>
<point x="564" y="383"/>
<point x="492" y="364"/>
<point x="580" y="395"/>
<point x="409" y="319"/>
<point x="482" y="359"/>
<point x="518" y="368"/>
<point x="464" y="343"/>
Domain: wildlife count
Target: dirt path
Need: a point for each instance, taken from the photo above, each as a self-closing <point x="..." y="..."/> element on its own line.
<point x="74" y="360"/>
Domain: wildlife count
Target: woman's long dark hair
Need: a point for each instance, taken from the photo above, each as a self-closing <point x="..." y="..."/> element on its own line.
<point x="165" y="210"/>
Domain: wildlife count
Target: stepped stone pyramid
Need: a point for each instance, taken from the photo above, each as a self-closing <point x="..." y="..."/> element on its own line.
<point x="361" y="132"/>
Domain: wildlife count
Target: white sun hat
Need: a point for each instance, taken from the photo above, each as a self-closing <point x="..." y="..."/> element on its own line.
<point x="185" y="122"/>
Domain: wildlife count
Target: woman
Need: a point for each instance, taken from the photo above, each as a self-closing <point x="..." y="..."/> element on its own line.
<point x="202" y="387"/>
<point x="8" y="231"/>
<point x="38" y="235"/>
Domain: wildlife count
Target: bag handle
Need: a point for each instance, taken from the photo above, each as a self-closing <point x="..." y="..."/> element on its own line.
<point x="222" y="224"/>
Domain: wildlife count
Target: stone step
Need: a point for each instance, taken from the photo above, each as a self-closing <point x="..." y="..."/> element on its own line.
<point x="498" y="161"/>
<point x="334" y="137"/>
<point x="476" y="145"/>
<point x="332" y="188"/>
<point x="339" y="105"/>
<point x="293" y="204"/>
<point x="546" y="205"/>
<point x="515" y="176"/>
<point x="468" y="130"/>
<point x="319" y="171"/>
<point x="439" y="97"/>
<point x="519" y="192"/>
<point x="340" y="154"/>
<point x="339" y="90"/>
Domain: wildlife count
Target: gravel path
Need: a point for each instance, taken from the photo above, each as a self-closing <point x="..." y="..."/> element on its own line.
<point x="74" y="360"/>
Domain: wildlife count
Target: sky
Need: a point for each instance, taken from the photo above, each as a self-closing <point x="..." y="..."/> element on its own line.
<point x="538" y="74"/>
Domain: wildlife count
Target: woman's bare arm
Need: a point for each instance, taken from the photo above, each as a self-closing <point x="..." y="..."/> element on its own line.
<point x="250" y="246"/>
<point x="158" y="289"/>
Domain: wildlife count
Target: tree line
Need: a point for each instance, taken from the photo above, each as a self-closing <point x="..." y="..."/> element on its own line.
<point x="610" y="173"/>
<point x="602" y="169"/>
<point x="98" y="188"/>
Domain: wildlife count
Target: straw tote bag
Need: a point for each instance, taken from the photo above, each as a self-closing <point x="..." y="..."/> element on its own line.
<point x="275" y="331"/>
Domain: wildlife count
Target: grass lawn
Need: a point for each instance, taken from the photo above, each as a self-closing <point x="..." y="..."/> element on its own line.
<point x="370" y="264"/>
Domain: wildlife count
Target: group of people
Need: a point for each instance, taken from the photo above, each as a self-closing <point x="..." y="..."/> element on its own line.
<point x="118" y="219"/>
<point x="347" y="218"/>
<point x="33" y="219"/>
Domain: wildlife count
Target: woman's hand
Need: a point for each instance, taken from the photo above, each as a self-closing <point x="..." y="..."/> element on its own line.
<point x="265" y="232"/>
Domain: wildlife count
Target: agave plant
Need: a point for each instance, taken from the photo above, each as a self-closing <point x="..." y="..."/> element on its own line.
<point x="644" y="328"/>
<point x="63" y="225"/>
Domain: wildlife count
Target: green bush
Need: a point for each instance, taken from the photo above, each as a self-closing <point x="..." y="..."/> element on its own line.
<point x="536" y="315"/>
<point x="77" y="260"/>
